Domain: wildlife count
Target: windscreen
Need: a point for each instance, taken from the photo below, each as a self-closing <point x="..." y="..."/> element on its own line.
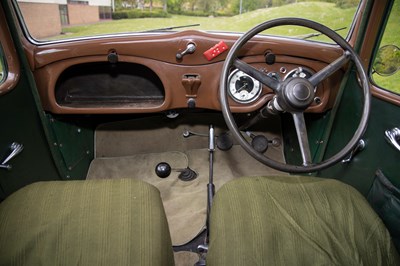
<point x="66" y="19"/>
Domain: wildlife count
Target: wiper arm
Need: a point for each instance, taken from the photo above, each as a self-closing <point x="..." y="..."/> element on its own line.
<point x="312" y="35"/>
<point x="174" y="27"/>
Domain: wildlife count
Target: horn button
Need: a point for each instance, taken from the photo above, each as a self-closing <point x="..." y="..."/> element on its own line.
<point x="296" y="94"/>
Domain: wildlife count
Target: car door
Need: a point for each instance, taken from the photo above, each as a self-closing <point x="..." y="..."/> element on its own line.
<point x="21" y="116"/>
<point x="378" y="154"/>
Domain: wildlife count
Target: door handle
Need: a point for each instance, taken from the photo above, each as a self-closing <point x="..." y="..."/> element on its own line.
<point x="359" y="147"/>
<point x="393" y="136"/>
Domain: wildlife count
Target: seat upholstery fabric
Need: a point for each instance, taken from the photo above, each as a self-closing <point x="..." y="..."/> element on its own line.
<point x="96" y="222"/>
<point x="296" y="221"/>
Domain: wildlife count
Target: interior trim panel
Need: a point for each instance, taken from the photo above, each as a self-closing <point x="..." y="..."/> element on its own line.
<point x="142" y="73"/>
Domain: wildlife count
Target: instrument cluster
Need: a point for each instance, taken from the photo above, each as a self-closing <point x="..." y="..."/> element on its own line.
<point x="245" y="89"/>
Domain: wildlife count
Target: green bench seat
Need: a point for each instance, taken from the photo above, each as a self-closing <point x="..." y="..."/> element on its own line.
<point x="96" y="222"/>
<point x="296" y="221"/>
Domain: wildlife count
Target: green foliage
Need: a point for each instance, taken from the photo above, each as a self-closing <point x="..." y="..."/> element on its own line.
<point x="224" y="13"/>
<point x="199" y="13"/>
<point x="387" y="61"/>
<point x="326" y="13"/>
<point x="247" y="6"/>
<point x="212" y="7"/>
<point x="1" y="71"/>
<point x="174" y="6"/>
<point x="196" y="13"/>
<point x="347" y="3"/>
<point x="137" y="13"/>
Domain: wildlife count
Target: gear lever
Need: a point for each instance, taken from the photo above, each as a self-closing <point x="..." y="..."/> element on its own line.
<point x="163" y="170"/>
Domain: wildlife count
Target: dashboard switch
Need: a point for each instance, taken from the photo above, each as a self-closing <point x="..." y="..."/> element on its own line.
<point x="190" y="49"/>
<point x="215" y="50"/>
<point x="191" y="83"/>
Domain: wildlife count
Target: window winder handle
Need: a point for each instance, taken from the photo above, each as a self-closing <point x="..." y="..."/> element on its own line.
<point x="14" y="149"/>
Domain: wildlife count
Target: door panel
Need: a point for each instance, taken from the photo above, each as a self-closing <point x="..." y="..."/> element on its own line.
<point x="385" y="114"/>
<point x="378" y="154"/>
<point x="21" y="122"/>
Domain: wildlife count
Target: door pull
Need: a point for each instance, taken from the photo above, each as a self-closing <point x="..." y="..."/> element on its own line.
<point x="359" y="147"/>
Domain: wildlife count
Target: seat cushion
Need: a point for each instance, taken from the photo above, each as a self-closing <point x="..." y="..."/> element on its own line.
<point x="295" y="221"/>
<point x="96" y="222"/>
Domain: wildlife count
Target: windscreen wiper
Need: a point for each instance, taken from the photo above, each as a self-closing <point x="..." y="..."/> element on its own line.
<point x="172" y="28"/>
<point x="312" y="35"/>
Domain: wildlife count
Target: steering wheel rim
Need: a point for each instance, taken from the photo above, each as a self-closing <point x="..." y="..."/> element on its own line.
<point x="231" y="60"/>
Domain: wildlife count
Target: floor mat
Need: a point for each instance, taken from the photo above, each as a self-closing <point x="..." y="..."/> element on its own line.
<point x="132" y="149"/>
<point x="184" y="201"/>
<point x="185" y="258"/>
<point x="161" y="134"/>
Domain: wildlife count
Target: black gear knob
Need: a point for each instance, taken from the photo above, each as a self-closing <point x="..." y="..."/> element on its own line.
<point x="163" y="170"/>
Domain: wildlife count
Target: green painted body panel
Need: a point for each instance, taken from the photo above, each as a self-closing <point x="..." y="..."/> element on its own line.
<point x="73" y="142"/>
<point x="316" y="126"/>
<point x="21" y="123"/>
<point x="24" y="121"/>
<point x="378" y="153"/>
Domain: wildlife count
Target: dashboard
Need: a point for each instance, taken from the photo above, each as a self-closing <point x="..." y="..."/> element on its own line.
<point x="154" y="72"/>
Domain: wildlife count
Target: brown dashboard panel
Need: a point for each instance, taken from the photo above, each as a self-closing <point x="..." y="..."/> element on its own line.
<point x="170" y="75"/>
<point x="76" y="77"/>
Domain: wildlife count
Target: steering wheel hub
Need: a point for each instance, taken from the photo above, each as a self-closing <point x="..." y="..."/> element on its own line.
<point x="296" y="94"/>
<point x="301" y="92"/>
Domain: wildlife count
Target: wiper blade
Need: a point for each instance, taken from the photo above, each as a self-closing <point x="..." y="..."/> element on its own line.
<point x="172" y="28"/>
<point x="312" y="35"/>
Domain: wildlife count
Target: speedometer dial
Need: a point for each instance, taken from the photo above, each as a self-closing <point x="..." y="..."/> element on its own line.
<point x="243" y="88"/>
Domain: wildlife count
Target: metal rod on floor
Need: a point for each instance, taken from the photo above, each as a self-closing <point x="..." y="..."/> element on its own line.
<point x="210" y="185"/>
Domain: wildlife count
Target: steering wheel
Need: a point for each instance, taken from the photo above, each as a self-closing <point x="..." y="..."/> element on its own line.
<point x="294" y="95"/>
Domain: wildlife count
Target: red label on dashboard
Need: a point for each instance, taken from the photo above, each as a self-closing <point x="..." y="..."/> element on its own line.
<point x="215" y="50"/>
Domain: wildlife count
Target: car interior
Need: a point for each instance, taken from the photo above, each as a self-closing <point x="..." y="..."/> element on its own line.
<point x="201" y="147"/>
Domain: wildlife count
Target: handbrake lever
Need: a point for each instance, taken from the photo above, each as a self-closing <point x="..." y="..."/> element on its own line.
<point x="210" y="185"/>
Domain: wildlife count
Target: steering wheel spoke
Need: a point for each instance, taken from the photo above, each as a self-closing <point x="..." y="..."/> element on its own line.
<point x="255" y="73"/>
<point x="302" y="137"/>
<point x="330" y="69"/>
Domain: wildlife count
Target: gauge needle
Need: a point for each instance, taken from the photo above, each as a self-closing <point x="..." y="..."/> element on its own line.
<point x="242" y="88"/>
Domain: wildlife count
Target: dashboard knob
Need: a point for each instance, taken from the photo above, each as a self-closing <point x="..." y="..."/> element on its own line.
<point x="112" y="57"/>
<point x="270" y="58"/>
<point x="191" y="103"/>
